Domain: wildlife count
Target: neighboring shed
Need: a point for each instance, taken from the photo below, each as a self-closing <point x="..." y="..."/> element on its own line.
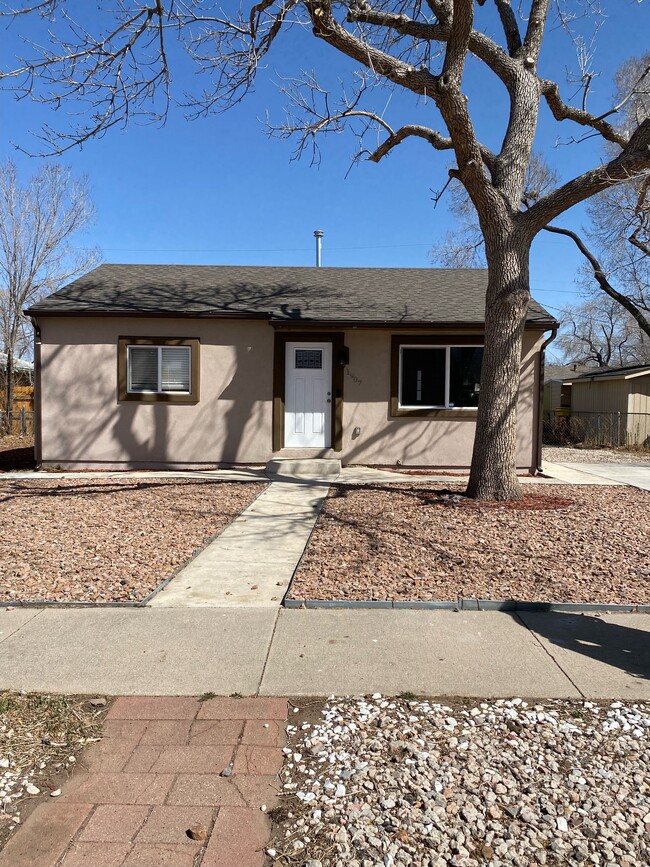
<point x="557" y="396"/>
<point x="614" y="404"/>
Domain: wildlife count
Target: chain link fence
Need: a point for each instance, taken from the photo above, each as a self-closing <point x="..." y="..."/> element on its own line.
<point x="597" y="429"/>
<point x="19" y="423"/>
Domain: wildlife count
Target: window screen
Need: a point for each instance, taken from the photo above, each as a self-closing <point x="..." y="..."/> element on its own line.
<point x="423" y="376"/>
<point x="143" y="368"/>
<point x="175" y="368"/>
<point x="159" y="369"/>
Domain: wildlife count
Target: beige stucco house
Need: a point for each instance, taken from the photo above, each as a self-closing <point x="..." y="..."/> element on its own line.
<point x="172" y="366"/>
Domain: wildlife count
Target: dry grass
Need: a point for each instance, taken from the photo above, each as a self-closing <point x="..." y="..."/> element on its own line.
<point x="37" y="728"/>
<point x="405" y="542"/>
<point x="41" y="737"/>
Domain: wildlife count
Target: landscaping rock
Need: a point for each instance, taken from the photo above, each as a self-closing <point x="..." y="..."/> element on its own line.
<point x="107" y="540"/>
<point x="197" y="832"/>
<point x="557" y="783"/>
<point x="415" y="542"/>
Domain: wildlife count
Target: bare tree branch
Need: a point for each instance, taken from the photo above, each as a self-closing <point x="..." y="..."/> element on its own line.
<point x="535" y="31"/>
<point x="599" y="274"/>
<point x="509" y="24"/>
<point x="37" y="224"/>
<point x="601" y="334"/>
<point x="632" y="162"/>
<point x="439" y="142"/>
<point x="562" y="111"/>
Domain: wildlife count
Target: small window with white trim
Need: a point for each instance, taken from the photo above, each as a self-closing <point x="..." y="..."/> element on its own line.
<point x="439" y="377"/>
<point x="158" y="369"/>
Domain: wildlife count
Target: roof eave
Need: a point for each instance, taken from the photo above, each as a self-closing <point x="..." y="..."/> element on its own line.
<point x="276" y="322"/>
<point x="607" y="377"/>
<point x="140" y="314"/>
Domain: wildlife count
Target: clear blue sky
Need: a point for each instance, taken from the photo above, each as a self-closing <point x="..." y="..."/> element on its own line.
<point x="219" y="191"/>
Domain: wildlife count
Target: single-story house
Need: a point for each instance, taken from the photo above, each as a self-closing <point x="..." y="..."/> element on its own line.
<point x="185" y="366"/>
<point x="612" y="407"/>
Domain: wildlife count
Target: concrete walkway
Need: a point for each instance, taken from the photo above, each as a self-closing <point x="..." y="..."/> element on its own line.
<point x="253" y="560"/>
<point x="575" y="474"/>
<point x="635" y="475"/>
<point x="263" y="651"/>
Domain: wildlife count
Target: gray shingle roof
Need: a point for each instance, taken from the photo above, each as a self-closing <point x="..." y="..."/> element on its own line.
<point x="363" y="295"/>
<point x="614" y="373"/>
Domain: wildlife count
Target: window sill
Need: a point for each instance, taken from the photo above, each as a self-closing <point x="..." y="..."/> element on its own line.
<point x="152" y="397"/>
<point x="440" y="413"/>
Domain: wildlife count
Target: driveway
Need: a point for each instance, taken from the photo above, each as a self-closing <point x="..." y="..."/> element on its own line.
<point x="636" y="475"/>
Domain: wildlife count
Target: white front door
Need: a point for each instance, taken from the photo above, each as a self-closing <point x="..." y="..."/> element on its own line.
<point x="308" y="395"/>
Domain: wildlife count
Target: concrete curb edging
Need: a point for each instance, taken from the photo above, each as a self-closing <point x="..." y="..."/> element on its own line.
<point x="472" y="605"/>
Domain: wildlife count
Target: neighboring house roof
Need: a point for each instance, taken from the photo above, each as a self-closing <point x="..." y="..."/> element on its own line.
<point x="564" y="372"/>
<point x="363" y="295"/>
<point x="19" y="363"/>
<point x="615" y="373"/>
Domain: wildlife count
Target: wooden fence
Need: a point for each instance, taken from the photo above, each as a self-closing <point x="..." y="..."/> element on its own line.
<point x="21" y="418"/>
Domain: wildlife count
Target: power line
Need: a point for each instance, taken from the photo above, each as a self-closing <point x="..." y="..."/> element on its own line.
<point x="256" y="250"/>
<point x="277" y="249"/>
<point x="581" y="315"/>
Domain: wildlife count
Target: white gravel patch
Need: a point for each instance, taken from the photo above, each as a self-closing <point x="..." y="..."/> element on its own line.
<point x="568" y="454"/>
<point x="382" y="782"/>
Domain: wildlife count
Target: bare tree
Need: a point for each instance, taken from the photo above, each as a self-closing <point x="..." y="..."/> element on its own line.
<point x="616" y="245"/>
<point x="600" y="333"/>
<point x="38" y="222"/>
<point x="121" y="67"/>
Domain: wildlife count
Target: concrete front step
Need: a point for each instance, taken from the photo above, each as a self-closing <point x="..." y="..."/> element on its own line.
<point x="304" y="468"/>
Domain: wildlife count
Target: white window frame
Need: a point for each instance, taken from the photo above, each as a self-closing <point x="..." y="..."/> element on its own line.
<point x="159" y="347"/>
<point x="447" y="349"/>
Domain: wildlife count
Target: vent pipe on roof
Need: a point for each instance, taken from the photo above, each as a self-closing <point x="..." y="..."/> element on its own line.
<point x="318" y="234"/>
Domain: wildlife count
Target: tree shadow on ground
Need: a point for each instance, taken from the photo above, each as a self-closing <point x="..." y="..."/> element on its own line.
<point x="102" y="487"/>
<point x="623" y="647"/>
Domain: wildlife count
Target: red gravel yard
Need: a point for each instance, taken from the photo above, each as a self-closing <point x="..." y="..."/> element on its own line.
<point x="106" y="540"/>
<point x="569" y="543"/>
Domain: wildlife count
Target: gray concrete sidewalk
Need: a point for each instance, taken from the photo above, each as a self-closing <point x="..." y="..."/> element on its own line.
<point x="635" y="475"/>
<point x="263" y="651"/>
<point x="575" y="474"/>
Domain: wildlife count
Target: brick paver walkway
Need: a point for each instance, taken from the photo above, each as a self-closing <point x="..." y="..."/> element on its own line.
<point x="155" y="774"/>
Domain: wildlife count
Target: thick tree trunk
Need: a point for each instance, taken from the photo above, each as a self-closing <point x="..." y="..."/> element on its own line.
<point x="493" y="474"/>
